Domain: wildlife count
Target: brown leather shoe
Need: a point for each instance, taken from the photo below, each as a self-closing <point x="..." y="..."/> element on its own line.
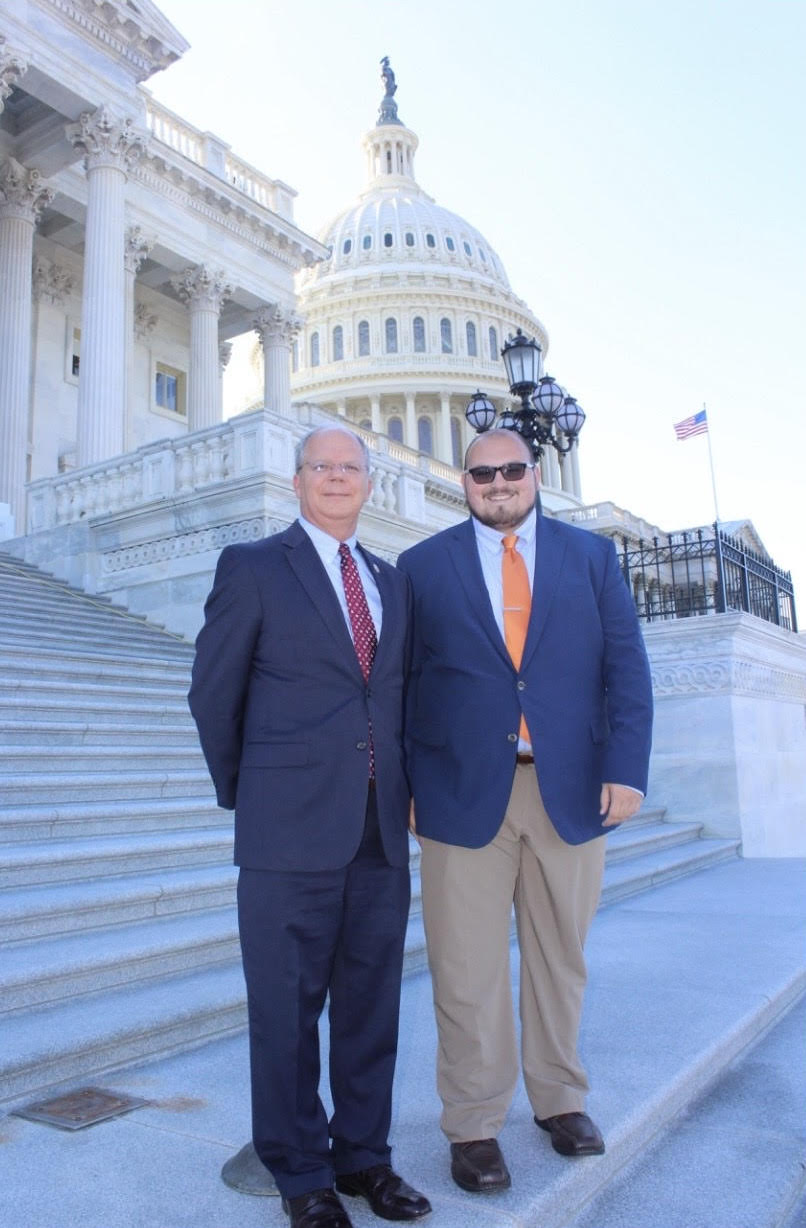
<point x="388" y="1195"/>
<point x="317" y="1209"/>
<point x="573" y="1134"/>
<point x="478" y="1166"/>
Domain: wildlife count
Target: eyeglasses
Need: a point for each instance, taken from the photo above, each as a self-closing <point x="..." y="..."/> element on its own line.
<point x="513" y="471"/>
<point x="325" y="468"/>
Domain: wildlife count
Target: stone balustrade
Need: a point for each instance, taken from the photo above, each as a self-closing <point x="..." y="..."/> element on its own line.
<point x="242" y="447"/>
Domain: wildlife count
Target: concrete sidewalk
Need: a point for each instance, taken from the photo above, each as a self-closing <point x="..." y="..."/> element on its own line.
<point x="683" y="980"/>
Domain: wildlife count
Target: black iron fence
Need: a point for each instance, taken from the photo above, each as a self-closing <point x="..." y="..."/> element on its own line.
<point x="704" y="571"/>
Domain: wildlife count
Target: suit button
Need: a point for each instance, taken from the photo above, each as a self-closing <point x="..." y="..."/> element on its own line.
<point x="512" y="737"/>
<point x="360" y="746"/>
<point x="521" y="685"/>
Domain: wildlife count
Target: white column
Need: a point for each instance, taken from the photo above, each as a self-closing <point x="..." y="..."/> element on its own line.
<point x="110" y="146"/>
<point x="375" y="413"/>
<point x="566" y="469"/>
<point x="23" y="195"/>
<point x="411" y="421"/>
<point x="444" y="446"/>
<point x="277" y="329"/>
<point x="136" y="248"/>
<point x="224" y="355"/>
<point x="205" y="291"/>
<point x="574" y="459"/>
<point x="550" y="467"/>
<point x="341" y="407"/>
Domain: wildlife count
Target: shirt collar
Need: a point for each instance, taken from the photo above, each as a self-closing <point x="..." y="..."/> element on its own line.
<point x="491" y="538"/>
<point x="326" y="544"/>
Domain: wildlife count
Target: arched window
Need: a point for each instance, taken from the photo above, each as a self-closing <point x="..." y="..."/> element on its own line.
<point x="394" y="429"/>
<point x="363" y="339"/>
<point x="338" y="343"/>
<point x="391" y="335"/>
<point x="493" y="345"/>
<point x="366" y="242"/>
<point x="456" y="442"/>
<point x="472" y="348"/>
<point x="418" y="327"/>
<point x="388" y="239"/>
<point x="425" y="438"/>
<point x="347" y="246"/>
<point x="314" y="349"/>
<point x="295" y="356"/>
<point x="481" y="253"/>
<point x="409" y="239"/>
<point x="430" y="241"/>
<point x="466" y="246"/>
<point x="446" y="335"/>
<point x="449" y="243"/>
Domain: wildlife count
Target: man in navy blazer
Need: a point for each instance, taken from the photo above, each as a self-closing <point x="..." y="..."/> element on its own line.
<point x="510" y="812"/>
<point x="297" y="693"/>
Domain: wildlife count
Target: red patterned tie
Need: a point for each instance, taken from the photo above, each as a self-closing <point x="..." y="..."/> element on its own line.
<point x="363" y="628"/>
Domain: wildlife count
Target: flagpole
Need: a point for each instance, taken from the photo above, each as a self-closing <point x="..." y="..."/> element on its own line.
<point x="711" y="463"/>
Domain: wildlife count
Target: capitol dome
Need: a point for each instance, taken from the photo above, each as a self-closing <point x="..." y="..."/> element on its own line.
<point x="406" y="317"/>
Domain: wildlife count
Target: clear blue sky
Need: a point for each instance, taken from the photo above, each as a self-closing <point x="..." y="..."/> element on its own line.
<point x="639" y="168"/>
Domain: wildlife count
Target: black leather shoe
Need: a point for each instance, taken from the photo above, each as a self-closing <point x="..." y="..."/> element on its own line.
<point x="317" y="1209"/>
<point x="573" y="1134"/>
<point x="388" y="1195"/>
<point x="478" y="1166"/>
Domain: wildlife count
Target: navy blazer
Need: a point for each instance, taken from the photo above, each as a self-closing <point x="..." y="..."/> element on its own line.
<point x="583" y="686"/>
<point x="282" y="708"/>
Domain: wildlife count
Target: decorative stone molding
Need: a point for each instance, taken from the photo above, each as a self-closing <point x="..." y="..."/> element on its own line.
<point x="23" y="192"/>
<point x="137" y="245"/>
<point x="197" y="541"/>
<point x="732" y="675"/>
<point x="275" y="325"/>
<point x="106" y="141"/>
<point x="12" y="67"/>
<point x="224" y="354"/>
<point x="52" y="281"/>
<point x="144" y="40"/>
<point x="202" y="287"/>
<point x="145" y="321"/>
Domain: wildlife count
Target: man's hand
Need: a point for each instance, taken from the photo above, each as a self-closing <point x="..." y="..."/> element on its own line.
<point x="412" y="822"/>
<point x="617" y="803"/>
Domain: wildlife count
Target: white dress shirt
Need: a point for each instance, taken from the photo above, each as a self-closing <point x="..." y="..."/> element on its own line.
<point x="327" y="548"/>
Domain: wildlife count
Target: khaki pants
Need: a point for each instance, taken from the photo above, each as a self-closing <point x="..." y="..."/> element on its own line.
<point x="467" y="904"/>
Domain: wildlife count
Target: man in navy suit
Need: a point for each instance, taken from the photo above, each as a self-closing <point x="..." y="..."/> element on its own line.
<point x="298" y="696"/>
<point x="517" y="769"/>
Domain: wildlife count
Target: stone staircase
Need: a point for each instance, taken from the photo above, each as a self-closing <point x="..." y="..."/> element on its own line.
<point x="118" y="935"/>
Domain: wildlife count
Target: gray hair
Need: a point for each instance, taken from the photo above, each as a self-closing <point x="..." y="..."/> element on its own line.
<point x="299" y="449"/>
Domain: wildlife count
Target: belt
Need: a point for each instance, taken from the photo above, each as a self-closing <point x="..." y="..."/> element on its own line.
<point x="521" y="757"/>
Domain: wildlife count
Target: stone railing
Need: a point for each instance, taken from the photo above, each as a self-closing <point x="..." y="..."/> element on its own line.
<point x="255" y="443"/>
<point x="214" y="155"/>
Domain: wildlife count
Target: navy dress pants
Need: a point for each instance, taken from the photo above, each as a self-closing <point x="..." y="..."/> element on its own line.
<point x="305" y="934"/>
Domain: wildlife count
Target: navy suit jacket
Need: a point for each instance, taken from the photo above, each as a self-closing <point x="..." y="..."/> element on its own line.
<point x="282" y="708"/>
<point x="583" y="686"/>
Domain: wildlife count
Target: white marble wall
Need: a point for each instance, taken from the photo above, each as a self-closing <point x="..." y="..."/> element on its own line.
<point x="730" y="729"/>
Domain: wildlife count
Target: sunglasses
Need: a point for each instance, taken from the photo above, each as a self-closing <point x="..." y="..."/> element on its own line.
<point x="513" y="471"/>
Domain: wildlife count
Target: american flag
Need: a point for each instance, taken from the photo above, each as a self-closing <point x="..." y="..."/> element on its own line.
<point x="697" y="424"/>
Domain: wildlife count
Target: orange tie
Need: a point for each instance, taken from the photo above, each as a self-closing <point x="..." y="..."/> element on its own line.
<point x="517" y="606"/>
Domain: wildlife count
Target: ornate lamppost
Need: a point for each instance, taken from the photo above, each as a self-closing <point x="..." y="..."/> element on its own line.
<point x="546" y="415"/>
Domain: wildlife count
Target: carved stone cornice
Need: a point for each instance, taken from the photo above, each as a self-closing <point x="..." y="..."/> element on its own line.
<point x="202" y="288"/>
<point x="23" y="192"/>
<point x="196" y="541"/>
<point x="136" y="247"/>
<point x="727" y="676"/>
<point x="145" y="41"/>
<point x="13" y="65"/>
<point x="145" y="321"/>
<point x="276" y="326"/>
<point x="51" y="281"/>
<point x="106" y="140"/>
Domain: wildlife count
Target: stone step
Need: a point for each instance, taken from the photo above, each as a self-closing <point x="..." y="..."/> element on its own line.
<point x="28" y="913"/>
<point x="93" y="689"/>
<point x="648" y="836"/>
<point x="66" y="861"/>
<point x="35" y="600"/>
<point x="646" y="870"/>
<point x="41" y="733"/>
<point x="47" y="633"/>
<point x="126" y="760"/>
<point x="37" y="787"/>
<point x="737" y="1150"/>
<point x="41" y="706"/>
<point x="62" y="820"/>
<point x="114" y="663"/>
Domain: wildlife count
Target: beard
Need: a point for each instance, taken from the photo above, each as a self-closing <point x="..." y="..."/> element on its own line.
<point x="502" y="515"/>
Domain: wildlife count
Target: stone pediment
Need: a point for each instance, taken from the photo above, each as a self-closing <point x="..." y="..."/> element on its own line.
<point x="135" y="29"/>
